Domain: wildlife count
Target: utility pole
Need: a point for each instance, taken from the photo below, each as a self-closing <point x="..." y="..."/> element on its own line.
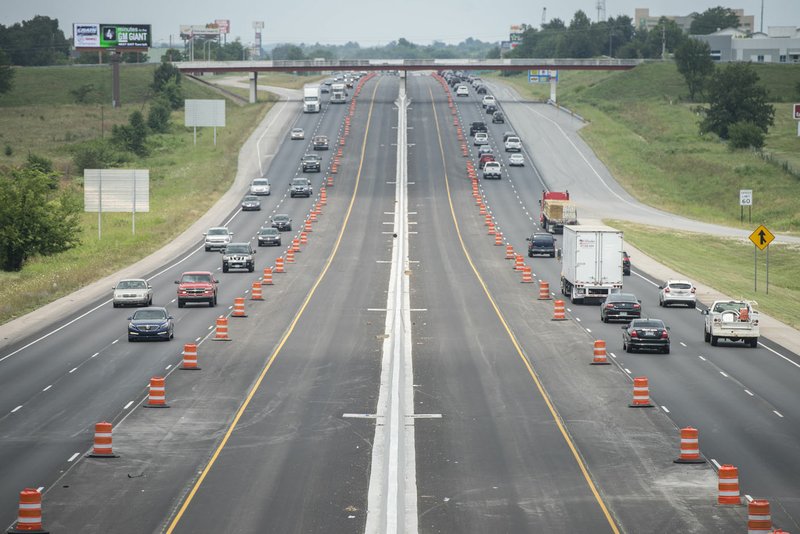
<point x="663" y="41"/>
<point x="761" y="30"/>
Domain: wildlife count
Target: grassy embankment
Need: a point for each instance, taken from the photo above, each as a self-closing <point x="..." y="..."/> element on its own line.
<point x="646" y="132"/>
<point x="39" y="116"/>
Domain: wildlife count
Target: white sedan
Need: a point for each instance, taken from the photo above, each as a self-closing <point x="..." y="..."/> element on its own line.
<point x="298" y="133"/>
<point x="516" y="160"/>
<point x="132" y="292"/>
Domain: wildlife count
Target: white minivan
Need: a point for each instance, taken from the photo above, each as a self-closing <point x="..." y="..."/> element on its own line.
<point x="462" y="90"/>
<point x="488" y="100"/>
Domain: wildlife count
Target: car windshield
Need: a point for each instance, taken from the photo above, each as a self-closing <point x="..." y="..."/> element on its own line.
<point x="280" y="218"/>
<point x="240" y="248"/>
<point x="299" y="181"/>
<point x="647" y="323"/>
<point x="513" y="140"/>
<point x="193" y="278"/>
<point x="297" y="130"/>
<point x="268" y="231"/>
<point x="260" y="182"/>
<point x="218" y="231"/>
<point x="251" y="198"/>
<point x="622" y="297"/>
<point x="680" y="285"/>
<point x="132" y="284"/>
<point x="542" y="240"/>
<point x="146" y="314"/>
<point x="729" y="306"/>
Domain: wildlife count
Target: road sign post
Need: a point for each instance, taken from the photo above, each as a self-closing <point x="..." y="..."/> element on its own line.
<point x="746" y="199"/>
<point x="796" y="116"/>
<point x="761" y="238"/>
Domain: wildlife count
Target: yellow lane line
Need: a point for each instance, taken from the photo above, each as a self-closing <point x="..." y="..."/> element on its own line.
<point x="556" y="417"/>
<point x="286" y="335"/>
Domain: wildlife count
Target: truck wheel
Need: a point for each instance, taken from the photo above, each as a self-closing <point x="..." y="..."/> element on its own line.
<point x="212" y="302"/>
<point x="666" y="350"/>
<point x="629" y="349"/>
<point x="714" y="340"/>
<point x="224" y="268"/>
<point x="706" y="336"/>
<point x="754" y="342"/>
<point x="181" y="304"/>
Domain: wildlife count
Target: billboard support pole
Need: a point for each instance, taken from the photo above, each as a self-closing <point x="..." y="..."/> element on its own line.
<point x="115" y="59"/>
<point x="133" y="219"/>
<point x="100" y="208"/>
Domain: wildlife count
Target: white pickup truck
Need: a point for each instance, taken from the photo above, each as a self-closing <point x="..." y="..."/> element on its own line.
<point x="731" y="319"/>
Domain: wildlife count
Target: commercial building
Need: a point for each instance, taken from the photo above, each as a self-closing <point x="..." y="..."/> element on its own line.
<point x="781" y="44"/>
<point x="644" y="21"/>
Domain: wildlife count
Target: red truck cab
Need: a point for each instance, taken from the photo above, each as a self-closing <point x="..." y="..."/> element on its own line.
<point x="197" y="286"/>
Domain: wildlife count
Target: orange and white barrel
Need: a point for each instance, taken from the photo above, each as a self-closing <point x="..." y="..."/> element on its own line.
<point x="729" y="485"/>
<point x="690" y="447"/>
<point x="157" y="398"/>
<point x="221" y="331"/>
<point x="29" y="517"/>
<point x="544" y="293"/>
<point x="600" y="353"/>
<point x="255" y="291"/>
<point x="238" y="307"/>
<point x="190" y="355"/>
<point x="266" y="280"/>
<point x="641" y="393"/>
<point x="759" y="519"/>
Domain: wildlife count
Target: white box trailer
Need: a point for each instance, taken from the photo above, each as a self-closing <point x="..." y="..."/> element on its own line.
<point x="591" y="262"/>
<point x="338" y="93"/>
<point x="311" y="103"/>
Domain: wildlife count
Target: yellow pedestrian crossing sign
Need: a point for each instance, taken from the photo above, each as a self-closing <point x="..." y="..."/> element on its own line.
<point x="762" y="237"/>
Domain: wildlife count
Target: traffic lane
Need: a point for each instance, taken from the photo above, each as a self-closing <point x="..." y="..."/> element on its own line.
<point x="495" y="460"/>
<point x="603" y="434"/>
<point x="295" y="462"/>
<point x="47" y="390"/>
<point x="160" y="455"/>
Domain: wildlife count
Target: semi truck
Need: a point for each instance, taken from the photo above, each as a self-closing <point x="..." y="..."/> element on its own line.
<point x="338" y="94"/>
<point x="556" y="211"/>
<point x="591" y="263"/>
<point x="311" y="102"/>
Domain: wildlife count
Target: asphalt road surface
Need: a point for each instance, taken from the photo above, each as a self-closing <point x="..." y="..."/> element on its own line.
<point x="298" y="422"/>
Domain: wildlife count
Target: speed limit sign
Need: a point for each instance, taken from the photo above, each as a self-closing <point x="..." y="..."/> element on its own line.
<point x="745" y="197"/>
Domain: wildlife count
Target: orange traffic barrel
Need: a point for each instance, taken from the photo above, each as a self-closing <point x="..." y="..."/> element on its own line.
<point x="29" y="517"/>
<point x="312" y="216"/>
<point x="290" y="256"/>
<point x="527" y="274"/>
<point x="641" y="393"/>
<point x="690" y="447"/>
<point x="296" y="244"/>
<point x="307" y="226"/>
<point x="498" y="239"/>
<point x="559" y="313"/>
<point x="238" y="307"/>
<point x="157" y="398"/>
<point x="600" y="353"/>
<point x="729" y="485"/>
<point x="519" y="262"/>
<point x="190" y="354"/>
<point x="304" y="238"/>
<point x="544" y="294"/>
<point x="759" y="519"/>
<point x="266" y="280"/>
<point x="330" y="181"/>
<point x="510" y="252"/>
<point x="221" y="332"/>
<point x="492" y="229"/>
<point x="102" y="442"/>
<point x="279" y="265"/>
<point x="255" y="291"/>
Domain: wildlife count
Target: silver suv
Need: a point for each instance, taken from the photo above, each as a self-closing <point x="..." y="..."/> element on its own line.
<point x="260" y="186"/>
<point x="301" y="187"/>
<point x="217" y="237"/>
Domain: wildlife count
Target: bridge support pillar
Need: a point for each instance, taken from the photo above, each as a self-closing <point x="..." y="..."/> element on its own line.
<point x="553" y="85"/>
<point x="253" y="87"/>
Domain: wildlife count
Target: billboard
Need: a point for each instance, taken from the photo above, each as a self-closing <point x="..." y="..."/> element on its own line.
<point x="224" y="25"/>
<point x="112" y="36"/>
<point x="116" y="190"/>
<point x="188" y="31"/>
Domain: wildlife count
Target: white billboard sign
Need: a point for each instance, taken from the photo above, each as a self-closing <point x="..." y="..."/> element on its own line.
<point x="204" y="112"/>
<point x="116" y="190"/>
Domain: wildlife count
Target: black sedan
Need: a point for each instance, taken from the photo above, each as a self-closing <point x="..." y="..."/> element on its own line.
<point x="151" y="323"/>
<point x="269" y="237"/>
<point x="282" y="222"/>
<point x="251" y="203"/>
<point x="620" y="306"/>
<point x="649" y="334"/>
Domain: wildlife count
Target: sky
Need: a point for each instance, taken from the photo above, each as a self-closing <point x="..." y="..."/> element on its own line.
<point x="368" y="22"/>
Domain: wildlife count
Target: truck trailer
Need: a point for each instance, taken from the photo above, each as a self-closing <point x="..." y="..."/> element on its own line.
<point x="591" y="263"/>
<point x="556" y="211"/>
<point x="311" y="103"/>
<point x="338" y="93"/>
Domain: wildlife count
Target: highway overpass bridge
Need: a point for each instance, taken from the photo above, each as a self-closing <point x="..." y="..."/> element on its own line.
<point x="315" y="65"/>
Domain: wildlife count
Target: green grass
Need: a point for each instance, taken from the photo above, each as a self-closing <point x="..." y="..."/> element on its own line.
<point x="184" y="180"/>
<point x="726" y="265"/>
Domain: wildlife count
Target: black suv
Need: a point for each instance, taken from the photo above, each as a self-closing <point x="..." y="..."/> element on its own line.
<point x="238" y="256"/>
<point x="282" y="222"/>
<point x="301" y="187"/>
<point x="311" y="162"/>
<point x="542" y="243"/>
<point x="498" y="117"/>
<point x="478" y="126"/>
<point x="320" y="142"/>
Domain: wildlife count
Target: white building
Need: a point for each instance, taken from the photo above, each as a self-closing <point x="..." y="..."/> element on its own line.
<point x="781" y="44"/>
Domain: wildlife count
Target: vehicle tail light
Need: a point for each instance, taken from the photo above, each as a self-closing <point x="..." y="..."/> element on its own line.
<point x="609" y="306"/>
<point x="634" y="334"/>
<point x="637" y="306"/>
<point x="664" y="334"/>
<point x="693" y="290"/>
<point x="666" y="290"/>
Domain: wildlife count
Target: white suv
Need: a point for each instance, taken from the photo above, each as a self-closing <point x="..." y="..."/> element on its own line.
<point x="481" y="138"/>
<point x="513" y="144"/>
<point x="488" y="100"/>
<point x="217" y="237"/>
<point x="677" y="292"/>
<point x="462" y="90"/>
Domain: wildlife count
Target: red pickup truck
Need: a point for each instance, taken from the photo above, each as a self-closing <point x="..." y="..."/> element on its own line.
<point x="197" y="286"/>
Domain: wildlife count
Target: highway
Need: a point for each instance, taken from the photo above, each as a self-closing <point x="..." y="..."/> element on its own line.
<point x="398" y="377"/>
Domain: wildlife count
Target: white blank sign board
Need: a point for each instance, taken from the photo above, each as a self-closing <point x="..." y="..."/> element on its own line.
<point x="119" y="190"/>
<point x="204" y="113"/>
